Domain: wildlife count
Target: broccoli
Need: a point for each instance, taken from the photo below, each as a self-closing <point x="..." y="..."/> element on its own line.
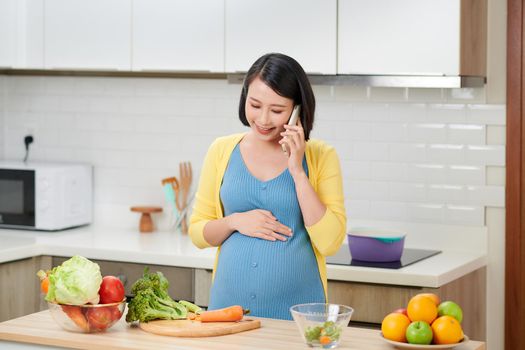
<point x="147" y="306"/>
<point x="152" y="301"/>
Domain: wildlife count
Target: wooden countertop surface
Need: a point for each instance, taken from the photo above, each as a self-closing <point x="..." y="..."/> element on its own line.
<point x="40" y="328"/>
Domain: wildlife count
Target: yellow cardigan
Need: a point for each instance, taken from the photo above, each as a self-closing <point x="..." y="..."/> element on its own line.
<point x="324" y="173"/>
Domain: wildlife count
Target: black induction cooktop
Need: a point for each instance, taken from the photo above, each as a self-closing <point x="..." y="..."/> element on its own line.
<point x="410" y="256"/>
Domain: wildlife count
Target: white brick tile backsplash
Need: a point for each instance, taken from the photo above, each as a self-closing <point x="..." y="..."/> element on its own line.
<point x="447" y="193"/>
<point x="422" y="155"/>
<point x="407" y="112"/>
<point x="496" y="135"/>
<point x="447" y="113"/>
<point x="370" y="112"/>
<point x="420" y="173"/>
<point x="429" y="212"/>
<point x="466" y="134"/>
<point x="369" y="190"/>
<point x="358" y="208"/>
<point x="485" y="155"/>
<point x="465" y="215"/>
<point x="428" y="133"/>
<point x="388" y="171"/>
<point x="356" y="170"/>
<point x="426" y="95"/>
<point x="350" y="93"/>
<point x="446" y="153"/>
<point x="370" y="151"/>
<point x="465" y="175"/>
<point x="486" y="114"/>
<point x="383" y="210"/>
<point x="347" y="130"/>
<point x="467" y="95"/>
<point x="380" y="94"/>
<point x="334" y="111"/>
<point x="407" y="152"/>
<point x="492" y="196"/>
<point x="43" y="103"/>
<point x="74" y="103"/>
<point x="495" y="176"/>
<point x="407" y="191"/>
<point x="388" y="132"/>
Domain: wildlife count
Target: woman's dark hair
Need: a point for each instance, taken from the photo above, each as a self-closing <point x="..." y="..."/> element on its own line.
<point x="286" y="77"/>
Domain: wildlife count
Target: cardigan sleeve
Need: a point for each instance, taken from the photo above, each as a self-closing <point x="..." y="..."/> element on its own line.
<point x="328" y="233"/>
<point x="204" y="208"/>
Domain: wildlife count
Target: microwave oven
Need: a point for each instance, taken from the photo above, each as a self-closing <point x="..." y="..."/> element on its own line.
<point x="45" y="196"/>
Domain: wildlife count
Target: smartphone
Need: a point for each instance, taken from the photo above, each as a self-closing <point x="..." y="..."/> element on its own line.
<point x="294" y="117"/>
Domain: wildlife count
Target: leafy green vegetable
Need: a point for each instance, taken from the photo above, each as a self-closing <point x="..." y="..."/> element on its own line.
<point x="152" y="301"/>
<point x="327" y="329"/>
<point x="75" y="282"/>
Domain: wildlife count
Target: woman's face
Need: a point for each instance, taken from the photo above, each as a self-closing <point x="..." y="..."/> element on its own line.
<point x="266" y="111"/>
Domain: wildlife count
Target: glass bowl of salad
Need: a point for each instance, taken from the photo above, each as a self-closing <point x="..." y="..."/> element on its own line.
<point x="321" y="325"/>
<point x="87" y="318"/>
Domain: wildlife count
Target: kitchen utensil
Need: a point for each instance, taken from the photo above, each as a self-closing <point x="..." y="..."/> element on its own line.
<point x="171" y="187"/>
<point x="408" y="346"/>
<point x="186" y="177"/>
<point x="184" y="211"/>
<point x="368" y="244"/>
<point x="312" y="318"/>
<point x="87" y="318"/>
<point x="146" y="224"/>
<point x="192" y="328"/>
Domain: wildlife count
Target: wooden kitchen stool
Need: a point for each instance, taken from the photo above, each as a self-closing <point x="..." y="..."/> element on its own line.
<point x="146" y="224"/>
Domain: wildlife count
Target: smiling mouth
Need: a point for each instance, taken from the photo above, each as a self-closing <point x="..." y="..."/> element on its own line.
<point x="264" y="130"/>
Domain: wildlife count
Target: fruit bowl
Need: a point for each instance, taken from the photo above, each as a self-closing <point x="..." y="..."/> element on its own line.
<point x="407" y="346"/>
<point x="321" y="325"/>
<point x="87" y="318"/>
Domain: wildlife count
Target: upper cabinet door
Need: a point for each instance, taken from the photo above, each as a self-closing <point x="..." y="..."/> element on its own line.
<point x="414" y="37"/>
<point x="21" y="33"/>
<point x="304" y="30"/>
<point x="178" y="35"/>
<point x="94" y="34"/>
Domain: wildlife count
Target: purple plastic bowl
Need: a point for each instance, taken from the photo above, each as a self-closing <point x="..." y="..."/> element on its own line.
<point x="375" y="249"/>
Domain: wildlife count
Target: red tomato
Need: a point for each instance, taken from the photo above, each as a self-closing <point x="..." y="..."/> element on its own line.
<point x="111" y="290"/>
<point x="99" y="318"/>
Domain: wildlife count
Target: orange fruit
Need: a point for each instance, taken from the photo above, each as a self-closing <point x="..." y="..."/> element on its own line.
<point x="422" y="308"/>
<point x="394" y="327"/>
<point x="435" y="298"/>
<point x="447" y="330"/>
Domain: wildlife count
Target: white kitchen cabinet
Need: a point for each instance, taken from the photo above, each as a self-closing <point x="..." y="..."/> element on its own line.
<point x="304" y="30"/>
<point x="412" y="37"/>
<point x="93" y="34"/>
<point x="178" y="35"/>
<point x="21" y="33"/>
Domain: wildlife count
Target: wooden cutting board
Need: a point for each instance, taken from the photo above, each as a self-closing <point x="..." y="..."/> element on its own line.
<point x="192" y="328"/>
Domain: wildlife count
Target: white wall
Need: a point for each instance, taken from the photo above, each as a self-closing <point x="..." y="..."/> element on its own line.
<point x="407" y="155"/>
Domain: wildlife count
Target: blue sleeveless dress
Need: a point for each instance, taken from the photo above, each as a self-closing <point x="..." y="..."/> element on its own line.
<point x="267" y="277"/>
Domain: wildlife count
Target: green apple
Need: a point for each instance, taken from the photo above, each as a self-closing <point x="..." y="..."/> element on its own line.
<point x="450" y="308"/>
<point x="419" y="332"/>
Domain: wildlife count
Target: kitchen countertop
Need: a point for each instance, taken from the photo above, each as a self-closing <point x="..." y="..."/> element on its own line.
<point x="39" y="328"/>
<point x="176" y="249"/>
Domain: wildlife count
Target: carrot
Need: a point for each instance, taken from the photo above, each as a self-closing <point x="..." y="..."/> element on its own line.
<point x="44" y="285"/>
<point x="228" y="314"/>
<point x="324" y="340"/>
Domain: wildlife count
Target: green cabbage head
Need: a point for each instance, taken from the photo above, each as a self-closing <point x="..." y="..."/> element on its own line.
<point x="75" y="282"/>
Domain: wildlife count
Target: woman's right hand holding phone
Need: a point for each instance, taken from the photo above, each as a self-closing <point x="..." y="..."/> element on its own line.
<point x="261" y="224"/>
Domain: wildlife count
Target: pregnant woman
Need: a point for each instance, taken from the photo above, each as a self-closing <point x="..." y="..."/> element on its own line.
<point x="271" y="199"/>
